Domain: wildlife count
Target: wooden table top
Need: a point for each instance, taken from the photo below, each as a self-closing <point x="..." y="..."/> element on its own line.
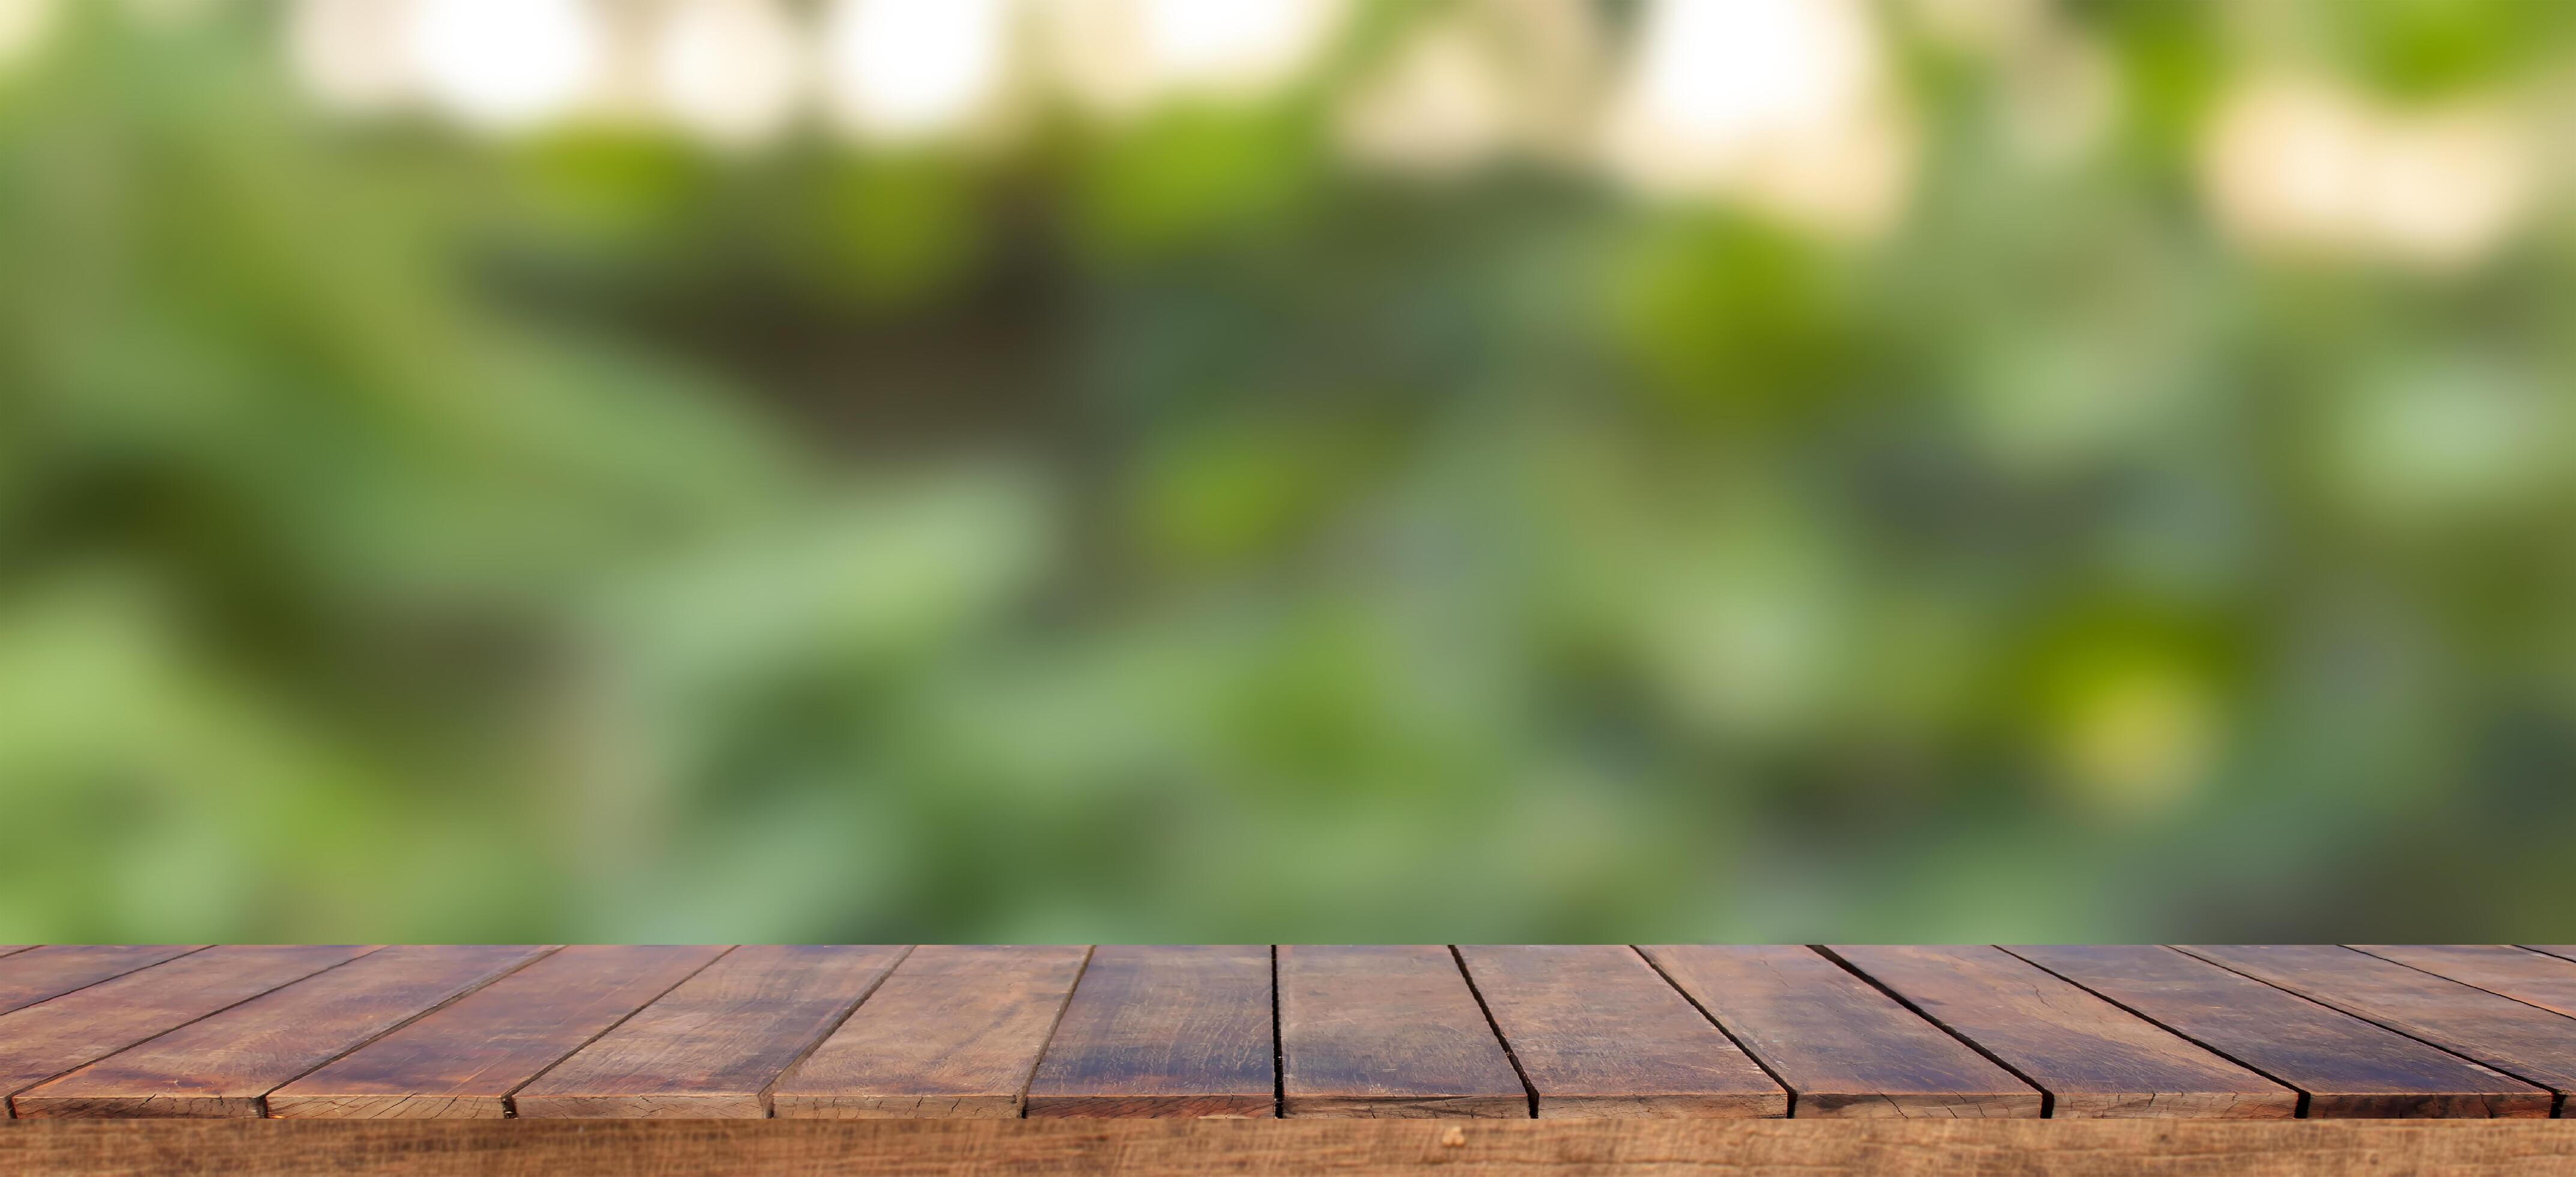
<point x="1252" y="1031"/>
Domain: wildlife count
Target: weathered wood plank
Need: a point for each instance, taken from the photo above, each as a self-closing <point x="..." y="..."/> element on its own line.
<point x="1844" y="1048"/>
<point x="1388" y="1030"/>
<point x="2561" y="951"/>
<point x="14" y="949"/>
<point x="713" y="1046"/>
<point x="2347" y="1066"/>
<point x="1598" y="1032"/>
<point x="1292" y="1148"/>
<point x="955" y="1032"/>
<point x="1164" y="1030"/>
<point x="466" y="1059"/>
<point x="2519" y="973"/>
<point x="2533" y="1045"/>
<point x="41" y="973"/>
<point x="42" y="1041"/>
<point x="224" y="1064"/>
<point x="2091" y="1057"/>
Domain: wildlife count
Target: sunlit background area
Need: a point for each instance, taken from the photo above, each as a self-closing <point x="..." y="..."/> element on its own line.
<point x="1209" y="470"/>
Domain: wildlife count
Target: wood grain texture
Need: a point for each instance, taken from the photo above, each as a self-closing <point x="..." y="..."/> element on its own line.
<point x="2533" y="1045"/>
<point x="2091" y="1057"/>
<point x="466" y="1059"/>
<point x="2347" y="1066"/>
<point x="14" y="949"/>
<point x="1164" y="1030"/>
<point x="224" y="1064"/>
<point x="41" y="973"/>
<point x="1292" y="1148"/>
<point x="1845" y="1049"/>
<point x="42" y="1041"/>
<point x="713" y="1046"/>
<point x="2521" y="974"/>
<point x="2561" y="951"/>
<point x="955" y="1033"/>
<point x="1598" y="1032"/>
<point x="1388" y="1031"/>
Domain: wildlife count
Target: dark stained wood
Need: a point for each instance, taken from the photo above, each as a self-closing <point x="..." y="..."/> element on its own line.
<point x="2519" y="973"/>
<point x="35" y="975"/>
<point x="2533" y="1045"/>
<point x="955" y="1032"/>
<point x="1181" y="1032"/>
<point x="2347" y="1066"/>
<point x="1388" y="1030"/>
<point x="223" y="1064"/>
<point x="1844" y="1048"/>
<point x="1598" y="1032"/>
<point x="2093" y="1058"/>
<point x="713" y="1046"/>
<point x="466" y="1059"/>
<point x="1164" y="1030"/>
<point x="42" y="1041"/>
<point x="1292" y="1148"/>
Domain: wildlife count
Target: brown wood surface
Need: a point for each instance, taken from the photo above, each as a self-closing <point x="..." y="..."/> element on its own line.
<point x="2093" y="1058"/>
<point x="12" y="949"/>
<point x="2519" y="973"/>
<point x="956" y="1032"/>
<point x="1844" y="1048"/>
<point x="222" y="1065"/>
<point x="2561" y="951"/>
<point x="56" y="969"/>
<point x="2533" y="1045"/>
<point x="2347" y="1066"/>
<point x="1164" y="1030"/>
<point x="42" y="1041"/>
<point x="1198" y="1031"/>
<point x="1293" y="1148"/>
<point x="1598" y="1032"/>
<point x="466" y="1059"/>
<point x="713" y="1046"/>
<point x="1388" y="1030"/>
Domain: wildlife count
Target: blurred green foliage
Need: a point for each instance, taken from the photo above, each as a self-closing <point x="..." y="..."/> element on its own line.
<point x="1167" y="532"/>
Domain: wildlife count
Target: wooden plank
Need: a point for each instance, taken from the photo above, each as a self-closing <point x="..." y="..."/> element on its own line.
<point x="466" y="1059"/>
<point x="2561" y="951"/>
<point x="1164" y="1030"/>
<point x="42" y="1041"/>
<point x="38" y="974"/>
<point x="954" y="1033"/>
<point x="2093" y="1058"/>
<point x="224" y="1064"/>
<point x="1598" y="1032"/>
<point x="2347" y="1066"/>
<point x="1293" y="1148"/>
<point x="2523" y="975"/>
<point x="2533" y="1045"/>
<point x="1388" y="1030"/>
<point x="14" y="949"/>
<point x="713" y="1047"/>
<point x="1844" y="1048"/>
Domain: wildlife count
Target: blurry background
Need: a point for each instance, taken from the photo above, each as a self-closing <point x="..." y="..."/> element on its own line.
<point x="1516" y="470"/>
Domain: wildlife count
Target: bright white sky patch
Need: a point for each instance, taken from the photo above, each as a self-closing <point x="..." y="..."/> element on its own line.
<point x="505" y="64"/>
<point x="2309" y="165"/>
<point x="728" y="70"/>
<point x="1780" y="103"/>
<point x="904" y="69"/>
